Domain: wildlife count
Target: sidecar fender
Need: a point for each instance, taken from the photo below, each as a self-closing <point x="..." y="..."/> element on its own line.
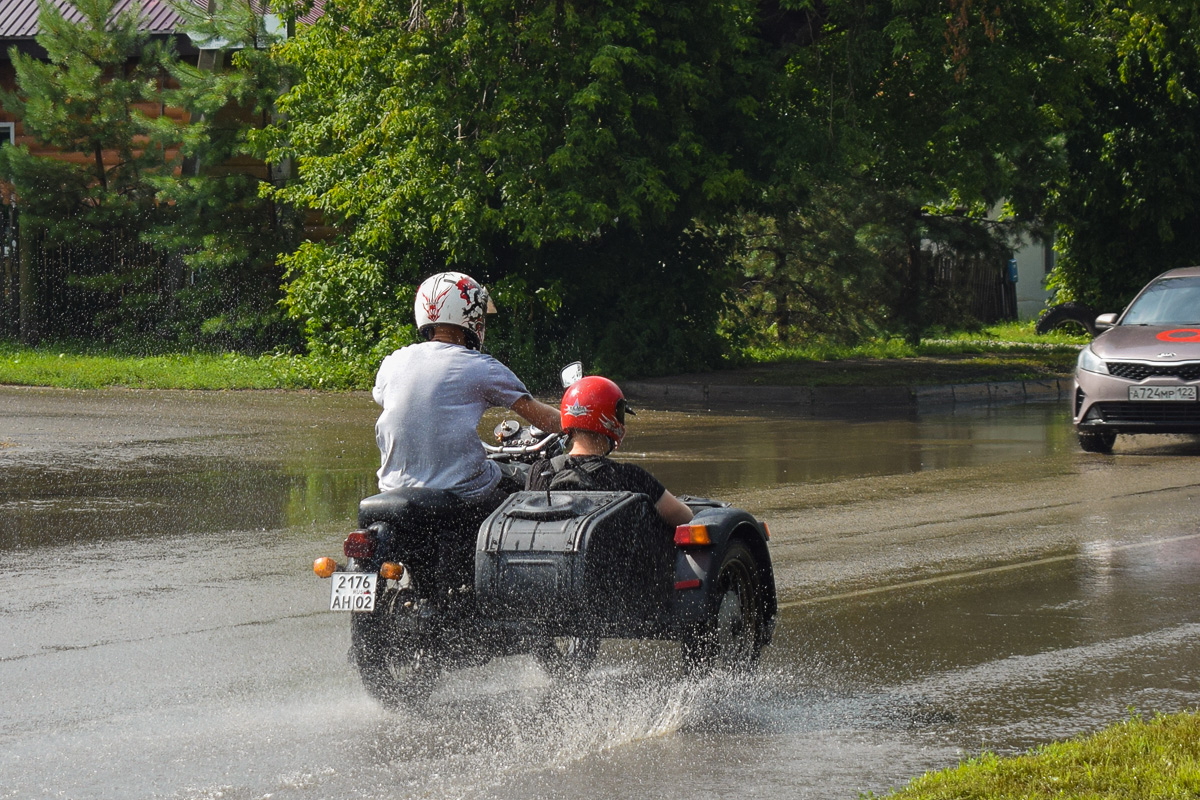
<point x="696" y="566"/>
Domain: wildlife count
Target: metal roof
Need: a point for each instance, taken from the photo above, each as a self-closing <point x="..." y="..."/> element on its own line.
<point x="19" y="18"/>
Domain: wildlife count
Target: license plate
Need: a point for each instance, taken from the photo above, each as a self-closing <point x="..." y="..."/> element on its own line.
<point x="353" y="591"/>
<point x="1163" y="393"/>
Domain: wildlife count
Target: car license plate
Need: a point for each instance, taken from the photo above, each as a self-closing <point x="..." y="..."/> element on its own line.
<point x="1164" y="393"/>
<point x="353" y="591"/>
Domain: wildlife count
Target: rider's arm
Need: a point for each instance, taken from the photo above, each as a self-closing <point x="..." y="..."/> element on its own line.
<point x="538" y="414"/>
<point x="672" y="510"/>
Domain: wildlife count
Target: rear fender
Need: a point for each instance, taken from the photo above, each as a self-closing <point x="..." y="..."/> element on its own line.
<point x="430" y="531"/>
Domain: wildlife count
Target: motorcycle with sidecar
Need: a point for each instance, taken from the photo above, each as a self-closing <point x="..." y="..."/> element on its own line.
<point x="432" y="583"/>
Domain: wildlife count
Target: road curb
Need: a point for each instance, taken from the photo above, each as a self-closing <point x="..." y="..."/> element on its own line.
<point x="831" y="399"/>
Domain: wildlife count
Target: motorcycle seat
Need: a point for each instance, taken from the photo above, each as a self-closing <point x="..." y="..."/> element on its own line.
<point x="416" y="505"/>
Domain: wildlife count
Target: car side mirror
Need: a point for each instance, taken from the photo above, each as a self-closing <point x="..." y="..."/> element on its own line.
<point x="1105" y="321"/>
<point x="571" y="373"/>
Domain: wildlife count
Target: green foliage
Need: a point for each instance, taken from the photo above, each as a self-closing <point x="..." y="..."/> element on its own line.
<point x="1130" y="206"/>
<point x="213" y="215"/>
<point x="85" y="99"/>
<point x="528" y="334"/>
<point x="589" y="147"/>
<point x="932" y="114"/>
<point x="226" y="241"/>
<point x="537" y="123"/>
<point x="819" y="271"/>
<point x="151" y="234"/>
<point x="652" y="186"/>
<point x="501" y="138"/>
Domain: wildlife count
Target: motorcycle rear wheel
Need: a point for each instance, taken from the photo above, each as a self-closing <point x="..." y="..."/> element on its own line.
<point x="397" y="669"/>
<point x="734" y="634"/>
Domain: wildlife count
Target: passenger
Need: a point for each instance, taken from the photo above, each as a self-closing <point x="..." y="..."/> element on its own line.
<point x="593" y="417"/>
<point x="435" y="393"/>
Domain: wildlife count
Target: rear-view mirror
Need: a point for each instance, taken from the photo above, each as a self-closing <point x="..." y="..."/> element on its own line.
<point x="571" y="373"/>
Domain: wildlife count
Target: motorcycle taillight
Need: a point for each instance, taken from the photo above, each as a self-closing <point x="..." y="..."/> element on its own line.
<point x="359" y="545"/>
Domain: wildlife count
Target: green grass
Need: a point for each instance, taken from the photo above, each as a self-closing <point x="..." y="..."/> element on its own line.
<point x="999" y="353"/>
<point x="1138" y="758"/>
<point x="1005" y="338"/>
<point x="76" y="369"/>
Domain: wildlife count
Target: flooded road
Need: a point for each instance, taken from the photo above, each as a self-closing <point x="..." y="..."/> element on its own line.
<point x="948" y="584"/>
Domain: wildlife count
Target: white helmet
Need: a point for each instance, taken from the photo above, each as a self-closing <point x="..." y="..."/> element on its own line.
<point x="452" y="298"/>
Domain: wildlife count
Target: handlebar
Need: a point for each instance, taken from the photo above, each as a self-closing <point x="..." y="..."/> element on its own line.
<point x="516" y="440"/>
<point x="521" y="449"/>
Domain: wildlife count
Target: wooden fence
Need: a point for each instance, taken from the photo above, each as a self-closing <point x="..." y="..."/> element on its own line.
<point x="976" y="284"/>
<point x="58" y="290"/>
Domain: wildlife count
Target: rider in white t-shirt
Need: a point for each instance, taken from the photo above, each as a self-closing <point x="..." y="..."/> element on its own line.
<point x="434" y="395"/>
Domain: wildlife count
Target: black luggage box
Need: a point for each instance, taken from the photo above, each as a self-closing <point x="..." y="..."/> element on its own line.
<point x="575" y="562"/>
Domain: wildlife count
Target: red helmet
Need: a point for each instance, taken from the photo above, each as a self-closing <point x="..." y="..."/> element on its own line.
<point x="595" y="404"/>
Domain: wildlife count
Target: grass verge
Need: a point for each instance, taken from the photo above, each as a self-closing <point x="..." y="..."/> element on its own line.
<point x="76" y="369"/>
<point x="999" y="353"/>
<point x="1006" y="352"/>
<point x="1138" y="758"/>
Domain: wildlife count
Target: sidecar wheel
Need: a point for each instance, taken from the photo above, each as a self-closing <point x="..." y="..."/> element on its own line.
<point x="734" y="634"/>
<point x="396" y="669"/>
<point x="566" y="656"/>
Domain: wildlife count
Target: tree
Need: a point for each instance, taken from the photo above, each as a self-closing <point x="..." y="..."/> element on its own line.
<point x="225" y="235"/>
<point x="96" y="95"/>
<point x="161" y="233"/>
<point x="565" y="144"/>
<point x="1130" y="205"/>
<point x="933" y="115"/>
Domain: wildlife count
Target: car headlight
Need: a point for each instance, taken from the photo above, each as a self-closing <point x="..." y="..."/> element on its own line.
<point x="1090" y="362"/>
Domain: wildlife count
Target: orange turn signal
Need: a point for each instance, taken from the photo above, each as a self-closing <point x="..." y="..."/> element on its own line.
<point x="686" y="535"/>
<point x="766" y="531"/>
<point x="324" y="567"/>
<point x="391" y="571"/>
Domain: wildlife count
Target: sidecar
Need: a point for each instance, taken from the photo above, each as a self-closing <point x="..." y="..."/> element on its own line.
<point x="553" y="574"/>
<point x="574" y="567"/>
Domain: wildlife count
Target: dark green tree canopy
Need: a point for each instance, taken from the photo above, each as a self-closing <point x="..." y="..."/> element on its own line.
<point x="617" y="171"/>
<point x="154" y="236"/>
<point x="1130" y="208"/>
<point x="904" y="127"/>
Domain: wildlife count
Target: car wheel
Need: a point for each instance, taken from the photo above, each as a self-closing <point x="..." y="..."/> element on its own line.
<point x="566" y="657"/>
<point x="1097" y="441"/>
<point x="397" y="668"/>
<point x="734" y="634"/>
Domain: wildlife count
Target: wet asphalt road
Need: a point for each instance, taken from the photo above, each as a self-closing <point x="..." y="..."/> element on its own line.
<point x="948" y="584"/>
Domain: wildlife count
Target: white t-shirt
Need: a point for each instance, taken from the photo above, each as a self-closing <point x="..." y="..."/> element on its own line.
<point x="433" y="396"/>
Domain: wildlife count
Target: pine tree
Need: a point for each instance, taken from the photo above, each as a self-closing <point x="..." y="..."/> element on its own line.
<point x="95" y="97"/>
<point x="227" y="236"/>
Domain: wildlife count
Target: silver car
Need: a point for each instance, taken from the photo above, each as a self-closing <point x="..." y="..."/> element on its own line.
<point x="1142" y="373"/>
